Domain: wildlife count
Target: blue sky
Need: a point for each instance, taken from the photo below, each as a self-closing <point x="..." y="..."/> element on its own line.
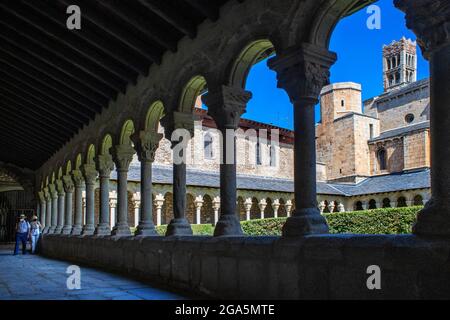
<point x="359" y="53"/>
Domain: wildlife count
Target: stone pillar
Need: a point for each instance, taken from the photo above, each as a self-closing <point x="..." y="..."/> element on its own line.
<point x="90" y="177"/>
<point x="393" y="203"/>
<point x="179" y="225"/>
<point x="61" y="207"/>
<point x="159" y="202"/>
<point x="429" y="20"/>
<point x="54" y="212"/>
<point x="84" y="207"/>
<point x="262" y="206"/>
<point x="365" y="205"/>
<point x="331" y="206"/>
<point x="226" y="105"/>
<point x="302" y="72"/>
<point x="146" y="144"/>
<point x="198" y="209"/>
<point x="48" y="210"/>
<point x="322" y="207"/>
<point x="69" y="188"/>
<point x="276" y="207"/>
<point x="341" y="207"/>
<point x="43" y="205"/>
<point x="104" y="165"/>
<point x="123" y="155"/>
<point x="216" y="208"/>
<point x="136" y="201"/>
<point x="78" y="180"/>
<point x="248" y="207"/>
<point x="113" y="208"/>
<point x="288" y="208"/>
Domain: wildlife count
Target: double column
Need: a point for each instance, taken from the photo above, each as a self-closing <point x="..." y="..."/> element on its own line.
<point x="69" y="188"/>
<point x="90" y="177"/>
<point x="54" y="208"/>
<point x="43" y="207"/>
<point x="123" y="155"/>
<point x="302" y="72"/>
<point x="430" y="21"/>
<point x="48" y="210"/>
<point x="226" y="105"/>
<point x="61" y="206"/>
<point x="179" y="225"/>
<point x="105" y="165"/>
<point x="146" y="143"/>
<point x="78" y="180"/>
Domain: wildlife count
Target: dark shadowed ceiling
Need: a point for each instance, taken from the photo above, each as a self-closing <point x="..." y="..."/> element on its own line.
<point x="53" y="81"/>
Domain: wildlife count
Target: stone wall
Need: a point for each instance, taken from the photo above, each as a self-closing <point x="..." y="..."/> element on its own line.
<point x="313" y="267"/>
<point x="417" y="150"/>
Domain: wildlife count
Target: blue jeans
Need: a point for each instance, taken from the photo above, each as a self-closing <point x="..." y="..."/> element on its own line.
<point x="34" y="241"/>
<point x="21" y="237"/>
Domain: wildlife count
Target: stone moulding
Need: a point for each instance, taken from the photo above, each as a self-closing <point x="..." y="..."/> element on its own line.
<point x="312" y="267"/>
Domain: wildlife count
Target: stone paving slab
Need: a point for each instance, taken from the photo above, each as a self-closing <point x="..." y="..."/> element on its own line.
<point x="32" y="277"/>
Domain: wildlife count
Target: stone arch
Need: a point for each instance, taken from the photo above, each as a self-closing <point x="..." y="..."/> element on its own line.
<point x="358" y="206"/>
<point x="282" y="212"/>
<point x="418" y="200"/>
<point x="78" y="161"/>
<point x="190" y="208"/>
<point x="154" y="115"/>
<point x="241" y="208"/>
<point x="207" y="212"/>
<point x="372" y="204"/>
<point x="126" y="132"/>
<point x="90" y="154"/>
<point x="167" y="209"/>
<point x="252" y="54"/>
<point x="401" y="202"/>
<point x="386" y="203"/>
<point x="326" y="209"/>
<point x="268" y="211"/>
<point x="68" y="167"/>
<point x="190" y="93"/>
<point x="254" y="211"/>
<point x="106" y="145"/>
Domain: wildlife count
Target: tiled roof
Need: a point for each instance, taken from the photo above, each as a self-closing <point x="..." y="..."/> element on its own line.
<point x="402" y="131"/>
<point x="378" y="184"/>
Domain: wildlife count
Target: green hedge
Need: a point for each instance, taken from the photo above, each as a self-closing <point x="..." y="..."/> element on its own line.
<point x="378" y="221"/>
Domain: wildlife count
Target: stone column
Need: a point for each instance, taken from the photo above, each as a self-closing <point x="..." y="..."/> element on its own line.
<point x="113" y="208"/>
<point x="216" y="208"/>
<point x="430" y="21"/>
<point x="198" y="208"/>
<point x="78" y="180"/>
<point x="43" y="205"/>
<point x="104" y="165"/>
<point x="69" y="188"/>
<point x="288" y="208"/>
<point x="90" y="177"/>
<point x="61" y="206"/>
<point x="226" y="105"/>
<point x="321" y="207"/>
<point x="248" y="208"/>
<point x="302" y="72"/>
<point x="262" y="206"/>
<point x="179" y="225"/>
<point x="136" y="201"/>
<point x="331" y="206"/>
<point x="159" y="202"/>
<point x="341" y="207"/>
<point x="365" y="205"/>
<point x="276" y="206"/>
<point x="54" y="219"/>
<point x="123" y="155"/>
<point x="48" y="210"/>
<point x="84" y="207"/>
<point x="146" y="144"/>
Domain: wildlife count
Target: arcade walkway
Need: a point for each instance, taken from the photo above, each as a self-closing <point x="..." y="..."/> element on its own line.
<point x="34" y="277"/>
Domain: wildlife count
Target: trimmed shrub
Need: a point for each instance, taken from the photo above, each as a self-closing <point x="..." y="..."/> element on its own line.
<point x="378" y="221"/>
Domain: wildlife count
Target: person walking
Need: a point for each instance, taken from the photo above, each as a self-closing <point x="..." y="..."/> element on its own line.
<point x="23" y="230"/>
<point x="35" y="233"/>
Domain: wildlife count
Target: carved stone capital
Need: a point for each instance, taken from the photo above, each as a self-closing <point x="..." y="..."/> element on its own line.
<point x="89" y="173"/>
<point x="429" y="20"/>
<point x="41" y="196"/>
<point x="146" y="143"/>
<point x="69" y="186"/>
<point x="123" y="155"/>
<point x="303" y="71"/>
<point x="226" y="105"/>
<point x="178" y="120"/>
<point x="52" y="191"/>
<point x="77" y="177"/>
<point x="105" y="164"/>
<point x="47" y="195"/>
<point x="59" y="187"/>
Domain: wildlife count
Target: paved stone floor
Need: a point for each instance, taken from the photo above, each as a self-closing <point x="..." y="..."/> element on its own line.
<point x="31" y="277"/>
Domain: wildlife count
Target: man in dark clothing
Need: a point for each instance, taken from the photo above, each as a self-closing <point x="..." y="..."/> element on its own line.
<point x="22" y="234"/>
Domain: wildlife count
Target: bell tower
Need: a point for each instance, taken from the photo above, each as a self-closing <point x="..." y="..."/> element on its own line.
<point x="399" y="63"/>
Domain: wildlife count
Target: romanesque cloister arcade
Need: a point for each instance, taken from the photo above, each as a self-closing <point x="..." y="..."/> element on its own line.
<point x="119" y="118"/>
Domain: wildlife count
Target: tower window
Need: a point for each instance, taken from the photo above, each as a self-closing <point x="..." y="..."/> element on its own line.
<point x="371" y="131"/>
<point x="273" y="159"/>
<point x="208" y="146"/>
<point x="342" y="103"/>
<point x="381" y="155"/>
<point x="258" y="154"/>
<point x="409" y="118"/>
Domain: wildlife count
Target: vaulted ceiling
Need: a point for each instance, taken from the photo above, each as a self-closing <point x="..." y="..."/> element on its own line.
<point x="54" y="81"/>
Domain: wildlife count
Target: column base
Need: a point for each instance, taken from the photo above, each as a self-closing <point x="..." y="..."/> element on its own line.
<point x="102" y="230"/>
<point x="146" y="229"/>
<point x="305" y="222"/>
<point x="45" y="230"/>
<point x="433" y="220"/>
<point x="76" y="230"/>
<point x="51" y="230"/>
<point x="228" y="225"/>
<point x="88" y="230"/>
<point x="58" y="229"/>
<point x="121" y="230"/>
<point x="179" y="227"/>
<point x="67" y="230"/>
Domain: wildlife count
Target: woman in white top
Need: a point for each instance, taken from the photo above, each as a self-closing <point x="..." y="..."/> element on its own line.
<point x="34" y="233"/>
